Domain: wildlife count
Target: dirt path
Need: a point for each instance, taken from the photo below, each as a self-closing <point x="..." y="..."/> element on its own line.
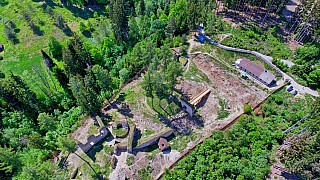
<point x="223" y="36"/>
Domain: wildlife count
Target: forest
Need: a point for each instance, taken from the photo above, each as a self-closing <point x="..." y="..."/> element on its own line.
<point x="76" y="76"/>
<point x="247" y="150"/>
<point x="79" y="59"/>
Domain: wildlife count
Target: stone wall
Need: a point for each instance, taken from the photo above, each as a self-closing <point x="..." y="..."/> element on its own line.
<point x="153" y="140"/>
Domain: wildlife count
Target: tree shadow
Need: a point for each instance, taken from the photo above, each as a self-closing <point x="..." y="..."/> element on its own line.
<point x="3" y="2"/>
<point x="84" y="13"/>
<point x="36" y="29"/>
<point x="125" y="110"/>
<point x="61" y="24"/>
<point x="14" y="39"/>
<point x="87" y="34"/>
<point x="67" y="31"/>
<point x="287" y="175"/>
<point x="183" y="124"/>
<point x="137" y="135"/>
<point x="92" y="153"/>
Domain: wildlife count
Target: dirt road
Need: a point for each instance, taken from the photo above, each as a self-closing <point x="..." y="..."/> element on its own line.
<point x="267" y="59"/>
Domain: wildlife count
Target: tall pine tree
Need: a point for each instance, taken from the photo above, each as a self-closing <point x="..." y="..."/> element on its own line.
<point x="119" y="16"/>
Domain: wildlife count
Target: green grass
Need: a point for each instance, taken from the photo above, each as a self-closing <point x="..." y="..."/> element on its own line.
<point x="147" y="132"/>
<point x="130" y="160"/>
<point x="132" y="94"/>
<point x="181" y="142"/>
<point x="93" y="130"/>
<point x="195" y="74"/>
<point x="108" y="149"/>
<point x="222" y="113"/>
<point x="163" y="106"/>
<point x="19" y="58"/>
<point x="119" y="132"/>
<point x="182" y="60"/>
<point x="252" y="38"/>
<point x="115" y="117"/>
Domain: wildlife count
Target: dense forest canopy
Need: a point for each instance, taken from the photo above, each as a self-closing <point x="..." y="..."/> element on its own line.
<point x="244" y="151"/>
<point x="89" y="55"/>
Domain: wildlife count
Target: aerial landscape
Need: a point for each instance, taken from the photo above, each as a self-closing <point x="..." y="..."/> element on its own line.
<point x="159" y="89"/>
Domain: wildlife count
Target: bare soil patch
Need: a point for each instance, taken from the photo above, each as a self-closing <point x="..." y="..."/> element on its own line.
<point x="226" y="86"/>
<point x="235" y="90"/>
<point x="293" y="45"/>
<point x="81" y="134"/>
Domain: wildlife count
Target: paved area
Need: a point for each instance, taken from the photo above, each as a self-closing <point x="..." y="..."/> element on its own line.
<point x="267" y="59"/>
<point x="287" y="62"/>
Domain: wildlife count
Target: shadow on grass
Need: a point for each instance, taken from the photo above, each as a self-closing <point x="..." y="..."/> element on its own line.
<point x="137" y="136"/>
<point x="66" y="30"/>
<point x="87" y="34"/>
<point x="3" y="2"/>
<point x="125" y="110"/>
<point x="86" y="12"/>
<point x="96" y="149"/>
<point x="150" y="148"/>
<point x="36" y="29"/>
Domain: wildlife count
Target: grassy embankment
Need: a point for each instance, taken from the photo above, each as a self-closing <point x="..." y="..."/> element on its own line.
<point x="21" y="57"/>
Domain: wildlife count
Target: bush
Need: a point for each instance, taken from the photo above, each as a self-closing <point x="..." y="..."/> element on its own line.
<point x="82" y="27"/>
<point x="1" y="57"/>
<point x="130" y="160"/>
<point x="247" y="109"/>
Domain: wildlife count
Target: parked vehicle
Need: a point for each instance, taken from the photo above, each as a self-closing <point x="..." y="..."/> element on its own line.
<point x="290" y="89"/>
<point x="295" y="92"/>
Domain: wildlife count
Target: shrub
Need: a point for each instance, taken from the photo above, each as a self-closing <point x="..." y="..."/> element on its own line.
<point x="247" y="109"/>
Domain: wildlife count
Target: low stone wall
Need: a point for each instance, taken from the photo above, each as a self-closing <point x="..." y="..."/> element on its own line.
<point x="130" y="138"/>
<point x="124" y="135"/>
<point x="153" y="140"/>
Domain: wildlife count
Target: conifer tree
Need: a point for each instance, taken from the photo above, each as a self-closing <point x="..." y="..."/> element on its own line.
<point x="119" y="17"/>
<point x="18" y="96"/>
<point x="85" y="95"/>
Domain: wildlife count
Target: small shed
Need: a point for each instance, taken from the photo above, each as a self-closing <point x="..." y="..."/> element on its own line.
<point x="1" y="47"/>
<point x="163" y="144"/>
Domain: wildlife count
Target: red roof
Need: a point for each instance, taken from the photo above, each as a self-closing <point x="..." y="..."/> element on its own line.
<point x="251" y="67"/>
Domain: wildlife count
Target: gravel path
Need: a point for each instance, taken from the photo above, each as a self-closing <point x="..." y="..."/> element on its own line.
<point x="120" y="172"/>
<point x="289" y="63"/>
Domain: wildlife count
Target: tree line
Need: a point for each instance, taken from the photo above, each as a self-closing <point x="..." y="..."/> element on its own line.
<point x="77" y="75"/>
<point x="245" y="150"/>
